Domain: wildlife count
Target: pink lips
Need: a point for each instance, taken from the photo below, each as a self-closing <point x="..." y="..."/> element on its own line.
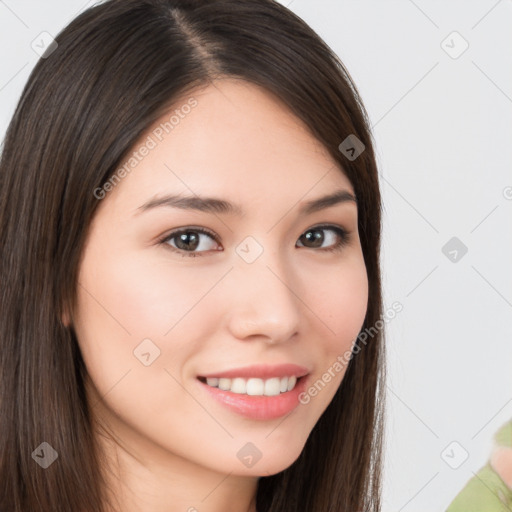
<point x="261" y="371"/>
<point x="259" y="407"/>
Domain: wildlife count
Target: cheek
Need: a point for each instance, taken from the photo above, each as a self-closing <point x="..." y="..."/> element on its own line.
<point x="342" y="303"/>
<point x="123" y="301"/>
<point x="137" y="296"/>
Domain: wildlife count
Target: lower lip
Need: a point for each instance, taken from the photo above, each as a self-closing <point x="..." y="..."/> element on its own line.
<point x="259" y="407"/>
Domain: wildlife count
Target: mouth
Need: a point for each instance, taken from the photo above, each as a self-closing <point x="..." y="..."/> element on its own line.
<point x="253" y="386"/>
<point x="259" y="391"/>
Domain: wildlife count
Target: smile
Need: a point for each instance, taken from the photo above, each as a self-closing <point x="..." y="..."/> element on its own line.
<point x="253" y="386"/>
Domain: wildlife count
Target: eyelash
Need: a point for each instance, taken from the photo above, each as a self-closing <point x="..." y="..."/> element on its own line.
<point x="344" y="238"/>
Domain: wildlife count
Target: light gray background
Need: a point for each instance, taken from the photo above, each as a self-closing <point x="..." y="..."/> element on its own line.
<point x="443" y="132"/>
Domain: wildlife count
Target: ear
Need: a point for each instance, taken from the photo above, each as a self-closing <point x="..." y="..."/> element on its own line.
<point x="65" y="318"/>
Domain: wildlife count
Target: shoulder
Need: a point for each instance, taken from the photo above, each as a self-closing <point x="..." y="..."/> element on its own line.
<point x="486" y="491"/>
<point x="503" y="436"/>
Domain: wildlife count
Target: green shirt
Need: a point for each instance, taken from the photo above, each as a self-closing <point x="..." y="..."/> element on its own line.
<point x="486" y="491"/>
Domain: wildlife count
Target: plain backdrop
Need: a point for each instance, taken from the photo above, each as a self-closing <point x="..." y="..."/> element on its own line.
<point x="436" y="79"/>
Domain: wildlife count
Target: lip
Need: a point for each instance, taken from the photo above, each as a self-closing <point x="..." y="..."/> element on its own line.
<point x="258" y="407"/>
<point x="261" y="371"/>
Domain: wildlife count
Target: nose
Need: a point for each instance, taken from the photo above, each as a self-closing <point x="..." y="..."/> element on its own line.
<point x="263" y="303"/>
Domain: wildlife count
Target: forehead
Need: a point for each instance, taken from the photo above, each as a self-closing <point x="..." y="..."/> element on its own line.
<point x="231" y="139"/>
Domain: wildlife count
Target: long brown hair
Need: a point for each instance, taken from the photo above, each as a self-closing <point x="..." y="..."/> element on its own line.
<point x="115" y="70"/>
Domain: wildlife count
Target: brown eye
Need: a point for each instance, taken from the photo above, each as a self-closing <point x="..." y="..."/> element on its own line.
<point x="314" y="238"/>
<point x="190" y="240"/>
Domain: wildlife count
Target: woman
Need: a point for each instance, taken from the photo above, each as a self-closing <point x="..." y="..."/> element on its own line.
<point x="190" y="229"/>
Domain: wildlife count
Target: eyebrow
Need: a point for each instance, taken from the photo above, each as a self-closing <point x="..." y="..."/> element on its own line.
<point x="221" y="206"/>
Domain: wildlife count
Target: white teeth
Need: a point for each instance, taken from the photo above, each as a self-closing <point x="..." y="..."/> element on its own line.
<point x="272" y="386"/>
<point x="239" y="386"/>
<point x="291" y="382"/>
<point x="225" y="384"/>
<point x="253" y="386"/>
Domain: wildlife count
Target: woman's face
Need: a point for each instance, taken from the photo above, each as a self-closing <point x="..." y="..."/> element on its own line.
<point x="260" y="288"/>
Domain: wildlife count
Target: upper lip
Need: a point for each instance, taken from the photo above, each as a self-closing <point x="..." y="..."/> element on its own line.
<point x="261" y="371"/>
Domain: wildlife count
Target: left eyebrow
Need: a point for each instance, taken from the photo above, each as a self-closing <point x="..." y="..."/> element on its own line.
<point x="320" y="203"/>
<point x="222" y="206"/>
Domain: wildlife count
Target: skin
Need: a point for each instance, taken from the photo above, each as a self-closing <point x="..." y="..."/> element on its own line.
<point x="169" y="446"/>
<point x="501" y="462"/>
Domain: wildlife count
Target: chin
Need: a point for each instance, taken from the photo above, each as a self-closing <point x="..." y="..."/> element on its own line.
<point x="272" y="464"/>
